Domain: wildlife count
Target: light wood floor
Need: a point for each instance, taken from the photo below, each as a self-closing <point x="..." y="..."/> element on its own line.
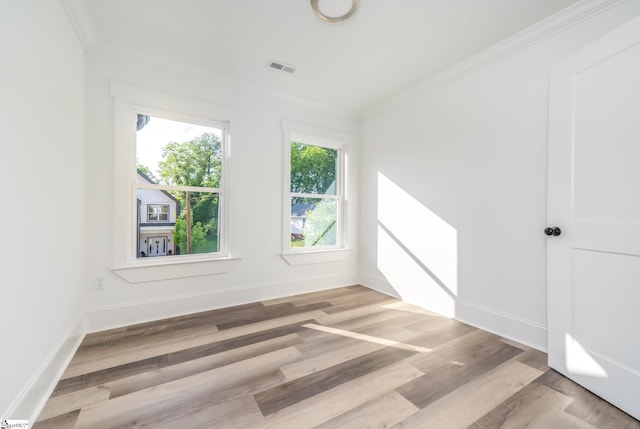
<point x="344" y="358"/>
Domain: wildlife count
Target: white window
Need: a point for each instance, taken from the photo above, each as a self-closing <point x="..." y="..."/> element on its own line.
<point x="315" y="206"/>
<point x="181" y="162"/>
<point x="314" y="180"/>
<point x="171" y="160"/>
<point x="158" y="213"/>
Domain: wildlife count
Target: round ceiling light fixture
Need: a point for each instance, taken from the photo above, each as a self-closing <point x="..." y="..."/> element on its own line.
<point x="334" y="10"/>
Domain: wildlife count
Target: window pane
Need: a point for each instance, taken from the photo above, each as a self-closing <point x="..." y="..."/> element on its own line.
<point x="156" y="212"/>
<point x="188" y="225"/>
<point x="178" y="153"/>
<point x="313" y="222"/>
<point x="164" y="213"/>
<point x="313" y="169"/>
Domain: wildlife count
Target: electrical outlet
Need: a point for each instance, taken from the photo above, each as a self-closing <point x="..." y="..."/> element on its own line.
<point x="98" y="283"/>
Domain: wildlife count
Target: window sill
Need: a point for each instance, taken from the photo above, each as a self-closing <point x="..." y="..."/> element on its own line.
<point x="315" y="256"/>
<point x="144" y="271"/>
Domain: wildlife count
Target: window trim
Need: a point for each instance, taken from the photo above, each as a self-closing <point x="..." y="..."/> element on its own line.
<point x="220" y="191"/>
<point x="316" y="136"/>
<point x="160" y="213"/>
<point x="129" y="100"/>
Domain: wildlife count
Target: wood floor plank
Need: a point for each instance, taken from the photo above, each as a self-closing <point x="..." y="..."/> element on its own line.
<point x="331" y="403"/>
<point x="266" y="313"/>
<point x="84" y="381"/>
<point x="587" y="406"/>
<point x="320" y="358"/>
<point x="392" y="328"/>
<point x="380" y="413"/>
<point x="367" y="338"/>
<point x="184" y="322"/>
<point x="63" y="421"/>
<point x="157" y="362"/>
<point x="287" y="394"/>
<point x="147" y="403"/>
<point x="241" y="412"/>
<point x="224" y="345"/>
<point x="440" y="335"/>
<point x="463" y="406"/>
<point x="535" y="406"/>
<point x="599" y="413"/>
<point x="97" y="362"/>
<point x="359" y="317"/>
<point x="456" y="350"/>
<point x="126" y="342"/>
<point x="453" y="374"/>
<point x="167" y="374"/>
<point x="411" y="308"/>
<point x="535" y="359"/>
<point x="358" y="298"/>
<point x="343" y="358"/>
<point x="205" y="406"/>
<point x="75" y="401"/>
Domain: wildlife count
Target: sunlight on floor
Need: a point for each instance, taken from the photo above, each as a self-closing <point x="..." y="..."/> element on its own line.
<point x="369" y="338"/>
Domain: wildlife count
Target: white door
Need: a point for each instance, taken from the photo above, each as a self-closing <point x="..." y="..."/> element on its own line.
<point x="157" y="246"/>
<point x="594" y="198"/>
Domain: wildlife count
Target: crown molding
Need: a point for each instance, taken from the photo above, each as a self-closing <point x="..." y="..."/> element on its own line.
<point x="532" y="35"/>
<point x="565" y="19"/>
<point x="81" y="21"/>
<point x="79" y="16"/>
<point x="204" y="75"/>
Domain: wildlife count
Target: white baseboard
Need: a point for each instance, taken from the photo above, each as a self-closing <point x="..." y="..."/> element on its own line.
<point x="378" y="284"/>
<point x="30" y="401"/>
<point x="100" y="319"/>
<point x="523" y="331"/>
<point x="434" y="300"/>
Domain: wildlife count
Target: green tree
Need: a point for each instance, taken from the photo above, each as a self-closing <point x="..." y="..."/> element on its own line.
<point x="313" y="170"/>
<point x="147" y="172"/>
<point x="198" y="234"/>
<point x="196" y="162"/>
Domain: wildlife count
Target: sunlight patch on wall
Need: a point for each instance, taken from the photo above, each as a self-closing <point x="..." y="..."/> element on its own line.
<point x="417" y="250"/>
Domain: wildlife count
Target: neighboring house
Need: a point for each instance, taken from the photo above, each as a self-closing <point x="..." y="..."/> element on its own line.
<point x="299" y="213"/>
<point x="157" y="213"/>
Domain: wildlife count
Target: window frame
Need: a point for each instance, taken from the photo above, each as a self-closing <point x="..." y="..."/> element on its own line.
<point x="316" y="136"/>
<point x="131" y="100"/>
<point x="220" y="191"/>
<point x="162" y="206"/>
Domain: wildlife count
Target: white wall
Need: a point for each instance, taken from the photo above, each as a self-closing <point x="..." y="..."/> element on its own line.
<point x="466" y="162"/>
<point x="256" y="192"/>
<point x="42" y="216"/>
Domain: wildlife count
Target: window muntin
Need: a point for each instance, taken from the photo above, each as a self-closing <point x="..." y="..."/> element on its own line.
<point x="180" y="163"/>
<point x="157" y="213"/>
<point x="314" y="196"/>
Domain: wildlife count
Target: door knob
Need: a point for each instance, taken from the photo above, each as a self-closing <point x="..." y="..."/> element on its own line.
<point x="552" y="231"/>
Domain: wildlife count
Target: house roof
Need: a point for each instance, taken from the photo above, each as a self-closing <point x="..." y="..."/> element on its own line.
<point x="149" y="180"/>
<point x="301" y="209"/>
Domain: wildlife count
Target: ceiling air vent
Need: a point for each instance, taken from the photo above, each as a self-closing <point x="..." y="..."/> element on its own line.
<point x="281" y="66"/>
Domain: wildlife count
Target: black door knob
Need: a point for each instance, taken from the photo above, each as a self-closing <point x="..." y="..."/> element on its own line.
<point x="552" y="231"/>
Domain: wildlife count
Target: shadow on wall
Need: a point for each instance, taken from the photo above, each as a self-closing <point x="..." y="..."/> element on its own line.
<point x="417" y="250"/>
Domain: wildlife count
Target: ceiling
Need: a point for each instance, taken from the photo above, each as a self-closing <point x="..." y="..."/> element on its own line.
<point x="386" y="47"/>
